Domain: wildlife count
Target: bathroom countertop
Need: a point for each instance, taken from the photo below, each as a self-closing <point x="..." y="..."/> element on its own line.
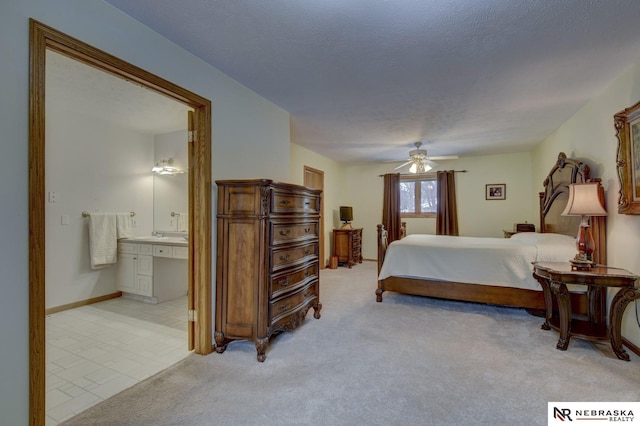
<point x="151" y="239"/>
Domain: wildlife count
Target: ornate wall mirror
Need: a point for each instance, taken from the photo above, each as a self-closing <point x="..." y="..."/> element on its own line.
<point x="627" y="124"/>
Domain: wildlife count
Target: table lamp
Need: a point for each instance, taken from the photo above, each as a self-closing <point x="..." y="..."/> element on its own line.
<point x="584" y="201"/>
<point x="346" y="215"/>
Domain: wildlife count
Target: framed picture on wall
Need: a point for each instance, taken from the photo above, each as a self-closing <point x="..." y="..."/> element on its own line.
<point x="627" y="124"/>
<point x="496" y="191"/>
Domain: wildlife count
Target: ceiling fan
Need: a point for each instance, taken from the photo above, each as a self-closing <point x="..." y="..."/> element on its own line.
<point x="420" y="162"/>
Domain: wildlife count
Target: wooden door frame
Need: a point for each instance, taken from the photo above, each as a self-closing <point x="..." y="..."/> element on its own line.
<point x="42" y="38"/>
<point x="323" y="262"/>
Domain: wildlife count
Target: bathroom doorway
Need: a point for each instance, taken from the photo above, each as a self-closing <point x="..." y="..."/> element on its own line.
<point x="44" y="39"/>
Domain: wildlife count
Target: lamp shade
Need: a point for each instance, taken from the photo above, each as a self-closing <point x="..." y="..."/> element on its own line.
<point x="346" y="214"/>
<point x="584" y="200"/>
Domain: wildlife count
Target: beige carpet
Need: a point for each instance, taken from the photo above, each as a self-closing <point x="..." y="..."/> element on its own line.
<point x="406" y="361"/>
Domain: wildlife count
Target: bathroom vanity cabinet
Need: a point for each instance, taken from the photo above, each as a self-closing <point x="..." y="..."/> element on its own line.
<point x="267" y="274"/>
<point x="153" y="273"/>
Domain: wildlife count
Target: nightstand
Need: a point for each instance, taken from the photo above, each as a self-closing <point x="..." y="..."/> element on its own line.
<point x="347" y="246"/>
<point x="554" y="277"/>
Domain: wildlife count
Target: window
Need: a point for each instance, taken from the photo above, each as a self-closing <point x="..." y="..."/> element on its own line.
<point x="418" y="195"/>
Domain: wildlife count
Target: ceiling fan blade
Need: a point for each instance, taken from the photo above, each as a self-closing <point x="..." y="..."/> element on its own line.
<point x="431" y="163"/>
<point x="394" y="161"/>
<point x="444" y="157"/>
<point x="402" y="165"/>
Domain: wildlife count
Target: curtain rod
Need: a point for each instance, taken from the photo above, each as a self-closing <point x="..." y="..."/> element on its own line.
<point x="417" y="174"/>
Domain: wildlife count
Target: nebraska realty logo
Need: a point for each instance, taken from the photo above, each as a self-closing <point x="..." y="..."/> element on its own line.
<point x="593" y="412"/>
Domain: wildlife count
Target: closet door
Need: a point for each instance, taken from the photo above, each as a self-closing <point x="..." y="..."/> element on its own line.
<point x="314" y="178"/>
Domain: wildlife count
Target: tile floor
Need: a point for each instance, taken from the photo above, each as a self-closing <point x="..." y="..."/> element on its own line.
<point x="96" y="351"/>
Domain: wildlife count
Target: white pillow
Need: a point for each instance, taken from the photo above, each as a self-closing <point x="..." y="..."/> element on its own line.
<point x="547" y="237"/>
<point x="550" y="247"/>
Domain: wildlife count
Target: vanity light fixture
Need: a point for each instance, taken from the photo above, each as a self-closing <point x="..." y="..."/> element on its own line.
<point x="165" y="167"/>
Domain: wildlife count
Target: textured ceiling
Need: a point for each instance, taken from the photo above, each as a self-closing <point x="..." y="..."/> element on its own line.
<point x="364" y="79"/>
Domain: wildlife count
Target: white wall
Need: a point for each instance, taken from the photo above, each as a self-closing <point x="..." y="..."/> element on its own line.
<point x="106" y="172"/>
<point x="476" y="216"/>
<point x="250" y="139"/>
<point x="334" y="194"/>
<point x="479" y="217"/>
<point x="171" y="192"/>
<point x="589" y="135"/>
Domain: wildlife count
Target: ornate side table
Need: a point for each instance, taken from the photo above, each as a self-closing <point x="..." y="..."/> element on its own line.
<point x="554" y="278"/>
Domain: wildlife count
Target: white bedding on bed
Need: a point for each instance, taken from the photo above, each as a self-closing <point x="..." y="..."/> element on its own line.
<point x="502" y="262"/>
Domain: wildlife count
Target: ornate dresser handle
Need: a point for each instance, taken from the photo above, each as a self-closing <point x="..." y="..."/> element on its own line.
<point x="283" y="283"/>
<point x="284" y="307"/>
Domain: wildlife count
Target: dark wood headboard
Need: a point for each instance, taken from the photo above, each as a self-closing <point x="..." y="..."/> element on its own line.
<point x="553" y="201"/>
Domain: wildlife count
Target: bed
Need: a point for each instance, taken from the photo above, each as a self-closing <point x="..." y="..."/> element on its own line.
<point x="491" y="270"/>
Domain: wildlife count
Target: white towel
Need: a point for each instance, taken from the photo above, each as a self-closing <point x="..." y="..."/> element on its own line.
<point x="183" y="222"/>
<point x="103" y="243"/>
<point x="123" y="225"/>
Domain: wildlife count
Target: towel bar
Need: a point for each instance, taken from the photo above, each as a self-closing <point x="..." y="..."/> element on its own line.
<point x="87" y="214"/>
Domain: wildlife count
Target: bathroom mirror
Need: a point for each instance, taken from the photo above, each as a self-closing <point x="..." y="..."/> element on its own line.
<point x="171" y="191"/>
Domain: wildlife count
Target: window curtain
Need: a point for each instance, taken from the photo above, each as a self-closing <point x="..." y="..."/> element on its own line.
<point x="447" y="215"/>
<point x="391" y="206"/>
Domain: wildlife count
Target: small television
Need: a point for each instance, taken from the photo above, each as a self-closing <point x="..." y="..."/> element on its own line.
<point x="346" y="216"/>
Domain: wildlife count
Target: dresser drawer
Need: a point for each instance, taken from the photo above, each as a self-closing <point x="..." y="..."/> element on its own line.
<point x="133" y="248"/>
<point x="295" y="203"/>
<point x="282" y="233"/>
<point x="180" y="252"/>
<point x="162" y="251"/>
<point x="127" y="248"/>
<point x="281" y="308"/>
<point x="287" y="256"/>
<point x="145" y="249"/>
<point x="283" y="283"/>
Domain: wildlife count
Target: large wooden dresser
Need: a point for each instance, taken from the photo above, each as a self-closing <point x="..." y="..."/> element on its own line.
<point x="267" y="273"/>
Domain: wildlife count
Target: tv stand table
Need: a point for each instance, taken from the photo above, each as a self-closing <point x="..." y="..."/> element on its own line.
<point x="347" y="245"/>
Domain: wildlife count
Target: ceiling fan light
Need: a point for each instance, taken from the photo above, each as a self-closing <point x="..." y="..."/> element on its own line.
<point x="413" y="168"/>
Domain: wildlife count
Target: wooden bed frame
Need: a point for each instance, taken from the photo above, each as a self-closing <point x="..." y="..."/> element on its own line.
<point x="552" y="202"/>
